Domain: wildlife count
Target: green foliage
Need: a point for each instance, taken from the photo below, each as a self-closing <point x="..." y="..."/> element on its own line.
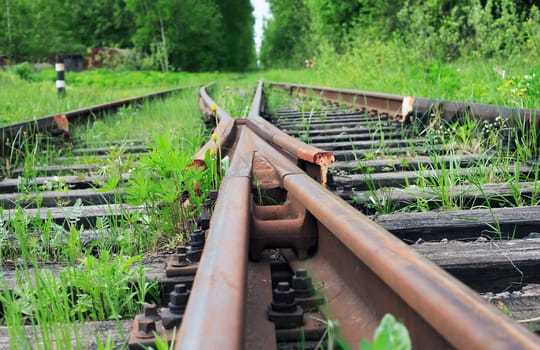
<point x="24" y="71"/>
<point x="188" y="35"/>
<point x="522" y="86"/>
<point x="238" y="21"/>
<point x="390" y="334"/>
<point x="442" y="30"/>
<point x="163" y="180"/>
<point x="193" y="35"/>
<point x="286" y="36"/>
<point x="106" y="288"/>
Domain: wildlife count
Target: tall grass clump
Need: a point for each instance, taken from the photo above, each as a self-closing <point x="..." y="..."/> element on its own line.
<point x="105" y="288"/>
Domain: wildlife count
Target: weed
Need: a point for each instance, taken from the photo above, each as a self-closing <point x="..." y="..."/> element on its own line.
<point x="163" y="180"/>
<point x="390" y="334"/>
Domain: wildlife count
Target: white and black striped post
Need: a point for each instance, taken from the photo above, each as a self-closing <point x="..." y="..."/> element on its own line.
<point x="60" y="83"/>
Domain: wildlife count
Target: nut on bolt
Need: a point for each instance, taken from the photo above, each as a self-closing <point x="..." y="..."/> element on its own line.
<point x="284" y="311"/>
<point x="150" y="312"/>
<point x="146" y="328"/>
<point x="302" y="284"/>
<point x="178" y="298"/>
<point x="204" y="220"/>
<point x="178" y="259"/>
<point x="196" y="241"/>
<point x="305" y="291"/>
<point x="173" y="314"/>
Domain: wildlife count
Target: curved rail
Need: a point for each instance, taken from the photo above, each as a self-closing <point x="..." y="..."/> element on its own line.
<point x="366" y="270"/>
<point x="274" y="136"/>
<point x="225" y="130"/>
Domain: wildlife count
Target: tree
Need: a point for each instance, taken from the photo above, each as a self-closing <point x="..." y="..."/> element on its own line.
<point x="188" y="34"/>
<point x="286" y="36"/>
<point x="238" y="24"/>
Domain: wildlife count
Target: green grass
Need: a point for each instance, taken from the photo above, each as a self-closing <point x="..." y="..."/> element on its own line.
<point x="163" y="226"/>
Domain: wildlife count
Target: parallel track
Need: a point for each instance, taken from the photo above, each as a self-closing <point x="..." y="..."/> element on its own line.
<point x="284" y="209"/>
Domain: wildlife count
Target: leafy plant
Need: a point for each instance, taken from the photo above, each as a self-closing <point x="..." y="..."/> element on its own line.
<point x="164" y="180"/>
<point x="390" y="334"/>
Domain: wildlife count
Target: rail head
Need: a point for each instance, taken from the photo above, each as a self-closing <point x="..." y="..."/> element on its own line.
<point x="454" y="310"/>
<point x="309" y="154"/>
<point x="450" y="110"/>
<point x="58" y="124"/>
<point x="372" y="101"/>
<point x="408" y="108"/>
<point x="224" y="133"/>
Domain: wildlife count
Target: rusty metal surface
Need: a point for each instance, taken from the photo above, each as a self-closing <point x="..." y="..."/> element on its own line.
<point x="381" y="103"/>
<point x="225" y="130"/>
<point x="452" y="110"/>
<point x="363" y="270"/>
<point x="452" y="309"/>
<point x="405" y="108"/>
<point x="214" y="318"/>
<point x="48" y="123"/>
<point x="292" y="146"/>
<point x="260" y="331"/>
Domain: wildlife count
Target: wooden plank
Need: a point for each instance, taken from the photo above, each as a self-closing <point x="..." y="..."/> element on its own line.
<point x="376" y="143"/>
<point x="523" y="305"/>
<point x="88" y="196"/>
<point x="385" y="151"/>
<point x="9" y="275"/>
<point x="515" y="222"/>
<point x="487" y="265"/>
<point x="370" y="135"/>
<point x="82" y="334"/>
<point x="88" y="214"/>
<point x="57" y="170"/>
<point x="13" y="185"/>
<point x="107" y="150"/>
<point x="406" y="163"/>
<point x="326" y="126"/>
<point x="104" y="143"/>
<point x="406" y="178"/>
<point x="338" y="130"/>
<point x="494" y="194"/>
<point x="72" y="159"/>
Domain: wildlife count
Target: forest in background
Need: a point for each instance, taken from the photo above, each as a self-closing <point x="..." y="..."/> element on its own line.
<point x="212" y="35"/>
<point x="416" y="30"/>
<point x="188" y="35"/>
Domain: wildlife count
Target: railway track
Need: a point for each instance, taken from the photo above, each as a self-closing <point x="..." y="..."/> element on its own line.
<point x="303" y="250"/>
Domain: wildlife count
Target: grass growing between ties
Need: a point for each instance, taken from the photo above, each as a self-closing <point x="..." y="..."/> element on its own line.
<point x="104" y="288"/>
<point x="104" y="278"/>
<point x="172" y="192"/>
<point x="34" y="95"/>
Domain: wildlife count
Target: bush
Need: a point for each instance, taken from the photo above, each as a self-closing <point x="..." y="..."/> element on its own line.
<point x="24" y="71"/>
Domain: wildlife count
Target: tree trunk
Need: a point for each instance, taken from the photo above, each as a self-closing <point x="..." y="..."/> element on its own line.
<point x="165" y="53"/>
<point x="8" y="17"/>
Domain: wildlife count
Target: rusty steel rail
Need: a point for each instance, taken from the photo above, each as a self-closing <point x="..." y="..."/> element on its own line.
<point x="381" y="103"/>
<point x="311" y="156"/>
<point x="364" y="269"/>
<point x="214" y="317"/>
<point x="454" y="314"/>
<point x="51" y="122"/>
<point x="425" y="107"/>
<point x="225" y="129"/>
<point x="406" y="108"/>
